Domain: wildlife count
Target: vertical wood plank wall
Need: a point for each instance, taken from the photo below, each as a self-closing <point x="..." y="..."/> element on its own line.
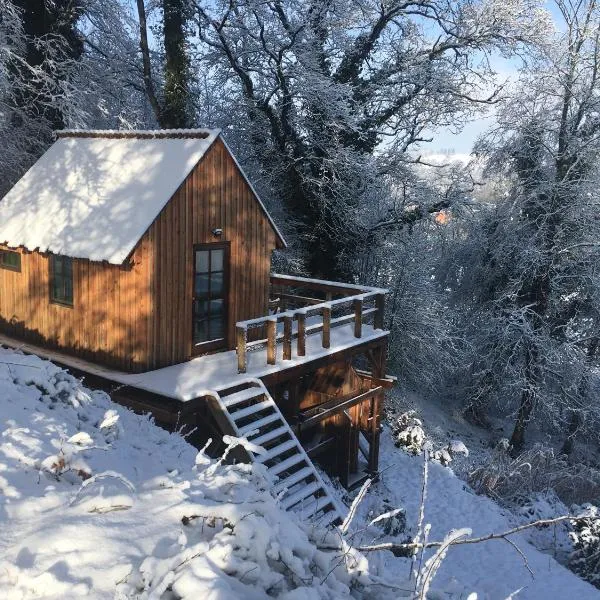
<point x="138" y="317"/>
<point x="105" y="324"/>
<point x="215" y="195"/>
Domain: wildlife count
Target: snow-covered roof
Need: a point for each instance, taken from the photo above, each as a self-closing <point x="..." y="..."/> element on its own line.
<point x="94" y="194"/>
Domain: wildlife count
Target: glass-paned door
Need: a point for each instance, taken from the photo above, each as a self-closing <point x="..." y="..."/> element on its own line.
<point x="209" y="311"/>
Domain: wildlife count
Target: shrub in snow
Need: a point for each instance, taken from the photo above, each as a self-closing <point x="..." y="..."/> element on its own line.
<point x="105" y="492"/>
<point x="514" y="480"/>
<point x="585" y="559"/>
<point x="109" y="425"/>
<point x="66" y="462"/>
<point x="240" y="542"/>
<point x="408" y="432"/>
<point x="392" y="522"/>
<point x="449" y="452"/>
<point x="551" y="539"/>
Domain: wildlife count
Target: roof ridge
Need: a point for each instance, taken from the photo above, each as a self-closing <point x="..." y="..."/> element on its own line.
<point x="137" y="133"/>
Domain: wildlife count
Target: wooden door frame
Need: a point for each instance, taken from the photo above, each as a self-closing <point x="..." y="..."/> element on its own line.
<point x="216" y="345"/>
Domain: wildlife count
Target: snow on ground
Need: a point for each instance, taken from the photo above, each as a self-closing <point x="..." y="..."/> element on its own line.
<point x="492" y="569"/>
<point x="97" y="501"/>
<point x="92" y="499"/>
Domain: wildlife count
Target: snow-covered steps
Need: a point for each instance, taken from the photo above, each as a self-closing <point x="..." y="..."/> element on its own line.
<point x="249" y="410"/>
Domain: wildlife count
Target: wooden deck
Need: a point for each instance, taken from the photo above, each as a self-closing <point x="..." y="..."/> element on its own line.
<point x="201" y="376"/>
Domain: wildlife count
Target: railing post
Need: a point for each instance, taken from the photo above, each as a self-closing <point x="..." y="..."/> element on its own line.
<point x="358" y="308"/>
<point x="379" y="315"/>
<point x="301" y="333"/>
<point x="326" y="326"/>
<point x="287" y="338"/>
<point x="241" y="348"/>
<point x="271" y="341"/>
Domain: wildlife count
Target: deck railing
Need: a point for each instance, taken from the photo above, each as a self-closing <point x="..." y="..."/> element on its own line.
<point x="314" y="306"/>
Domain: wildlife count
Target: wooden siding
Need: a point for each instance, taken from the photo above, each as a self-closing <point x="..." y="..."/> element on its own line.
<point x="137" y="317"/>
<point x="105" y="323"/>
<point x="214" y="196"/>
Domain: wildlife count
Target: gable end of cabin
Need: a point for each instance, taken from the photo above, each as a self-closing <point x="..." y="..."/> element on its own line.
<point x="212" y="245"/>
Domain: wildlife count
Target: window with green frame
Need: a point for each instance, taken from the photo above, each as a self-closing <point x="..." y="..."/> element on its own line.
<point x="61" y="279"/>
<point x="10" y="260"/>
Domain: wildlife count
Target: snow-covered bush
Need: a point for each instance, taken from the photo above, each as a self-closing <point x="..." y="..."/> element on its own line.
<point x="409" y="435"/>
<point x="585" y="559"/>
<point x="552" y="539"/>
<point x="408" y="432"/>
<point x="392" y="521"/>
<point x="449" y="452"/>
<point x="236" y="534"/>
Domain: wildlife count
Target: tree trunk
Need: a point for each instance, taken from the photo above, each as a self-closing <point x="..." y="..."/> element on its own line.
<point x="175" y="113"/>
<point x="574" y="424"/>
<point x="517" y="439"/>
<point x="42" y="20"/>
<point x="576" y="418"/>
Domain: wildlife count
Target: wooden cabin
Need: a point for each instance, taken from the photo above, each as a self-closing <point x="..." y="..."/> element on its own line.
<point x="143" y="259"/>
<point x="135" y="251"/>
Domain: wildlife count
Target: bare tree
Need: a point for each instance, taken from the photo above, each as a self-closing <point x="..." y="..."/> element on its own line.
<point x="535" y="289"/>
<point x="39" y="52"/>
<point x="336" y="94"/>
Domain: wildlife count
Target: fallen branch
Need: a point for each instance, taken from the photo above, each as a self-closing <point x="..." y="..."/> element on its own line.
<point x="407" y="549"/>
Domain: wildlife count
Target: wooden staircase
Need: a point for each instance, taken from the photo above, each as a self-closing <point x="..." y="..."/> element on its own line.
<point x="248" y="410"/>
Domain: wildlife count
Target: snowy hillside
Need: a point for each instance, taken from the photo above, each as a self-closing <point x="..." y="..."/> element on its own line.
<point x="97" y="501"/>
<point x="93" y="499"/>
<point x="493" y="570"/>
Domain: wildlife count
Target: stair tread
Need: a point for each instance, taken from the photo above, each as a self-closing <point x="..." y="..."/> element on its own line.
<point x="242" y="396"/>
<point x="276" y="451"/>
<point x="288" y="462"/>
<point x="329" y="517"/>
<point x="304" y="492"/>
<point x="260" y="423"/>
<point x="271" y="435"/>
<point x="312" y="508"/>
<point x="293" y="479"/>
<point x="255" y="408"/>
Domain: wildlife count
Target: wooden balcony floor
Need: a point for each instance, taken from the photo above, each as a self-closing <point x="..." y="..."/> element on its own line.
<point x="204" y="374"/>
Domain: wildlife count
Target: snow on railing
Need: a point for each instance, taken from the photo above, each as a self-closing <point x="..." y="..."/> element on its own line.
<point x="350" y="307"/>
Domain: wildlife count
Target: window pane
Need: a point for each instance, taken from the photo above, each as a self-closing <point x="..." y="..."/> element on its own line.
<point x="200" y="309"/>
<point x="11" y="260"/>
<point x="202" y="261"/>
<point x="216" y="307"/>
<point x="217" y="260"/>
<point x="201" y="285"/>
<point x="216" y="328"/>
<point x="200" y="331"/>
<point x="216" y="284"/>
<point x="68" y="290"/>
<point x="62" y="279"/>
